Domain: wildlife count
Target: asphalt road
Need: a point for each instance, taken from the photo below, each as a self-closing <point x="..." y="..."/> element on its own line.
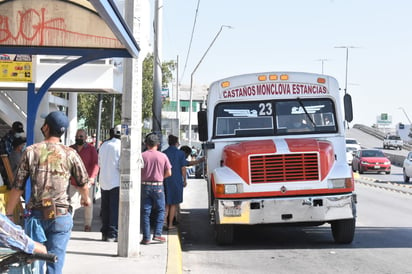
<point x="382" y="244"/>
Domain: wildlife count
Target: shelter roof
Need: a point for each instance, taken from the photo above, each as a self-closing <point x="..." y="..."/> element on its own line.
<point x="64" y="27"/>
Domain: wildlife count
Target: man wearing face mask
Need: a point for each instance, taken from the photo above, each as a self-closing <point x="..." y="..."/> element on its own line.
<point x="49" y="165"/>
<point x="16" y="131"/>
<point x="89" y="156"/>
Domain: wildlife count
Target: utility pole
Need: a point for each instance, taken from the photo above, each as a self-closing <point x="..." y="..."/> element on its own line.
<point x="191" y="80"/>
<point x="130" y="156"/>
<point x="157" y="67"/>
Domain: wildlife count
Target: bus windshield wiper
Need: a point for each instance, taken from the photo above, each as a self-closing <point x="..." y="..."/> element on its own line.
<point x="306" y="112"/>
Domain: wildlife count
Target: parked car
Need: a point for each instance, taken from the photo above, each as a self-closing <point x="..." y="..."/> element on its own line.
<point x="393" y="141"/>
<point x="407" y="168"/>
<point x="353" y="143"/>
<point x="371" y="160"/>
<point x="350" y="151"/>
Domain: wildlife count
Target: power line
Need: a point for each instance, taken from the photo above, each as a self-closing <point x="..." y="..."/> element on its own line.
<point x="191" y="39"/>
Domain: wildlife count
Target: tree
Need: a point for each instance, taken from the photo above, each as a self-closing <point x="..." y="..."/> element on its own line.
<point x="87" y="110"/>
<point x="167" y="68"/>
<point x="87" y="103"/>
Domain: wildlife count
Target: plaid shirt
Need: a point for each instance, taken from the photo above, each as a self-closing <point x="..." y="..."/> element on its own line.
<point x="49" y="166"/>
<point x="13" y="236"/>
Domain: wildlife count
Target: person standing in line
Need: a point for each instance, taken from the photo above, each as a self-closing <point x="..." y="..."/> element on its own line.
<point x="16" y="131"/>
<point x="156" y="168"/>
<point x="49" y="165"/>
<point x="109" y="179"/>
<point x="188" y="151"/>
<point x="15" y="154"/>
<point x="90" y="159"/>
<point x="174" y="184"/>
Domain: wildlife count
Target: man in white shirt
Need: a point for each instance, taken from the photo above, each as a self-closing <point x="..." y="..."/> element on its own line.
<point x="109" y="179"/>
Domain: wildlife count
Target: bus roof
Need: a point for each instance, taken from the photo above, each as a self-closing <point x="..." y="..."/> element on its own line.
<point x="270" y="85"/>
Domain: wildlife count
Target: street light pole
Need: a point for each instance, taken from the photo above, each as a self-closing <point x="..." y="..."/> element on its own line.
<point x="191" y="80"/>
<point x="347" y="59"/>
<point x="322" y="60"/>
<point x="404" y="112"/>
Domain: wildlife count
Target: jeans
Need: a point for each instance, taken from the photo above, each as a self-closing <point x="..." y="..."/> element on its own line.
<point x="110" y="212"/>
<point x="57" y="232"/>
<point x="153" y="197"/>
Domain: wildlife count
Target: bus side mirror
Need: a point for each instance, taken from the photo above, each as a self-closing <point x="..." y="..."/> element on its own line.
<point x="347" y="103"/>
<point x="202" y="125"/>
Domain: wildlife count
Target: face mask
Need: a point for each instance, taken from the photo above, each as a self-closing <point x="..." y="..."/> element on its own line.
<point x="19" y="135"/>
<point x="79" y="142"/>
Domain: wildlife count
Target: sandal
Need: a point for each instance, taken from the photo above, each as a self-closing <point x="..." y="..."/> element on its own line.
<point x="171" y="228"/>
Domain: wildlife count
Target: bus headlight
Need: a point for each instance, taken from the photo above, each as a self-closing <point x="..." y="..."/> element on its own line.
<point x="228" y="188"/>
<point x="339" y="183"/>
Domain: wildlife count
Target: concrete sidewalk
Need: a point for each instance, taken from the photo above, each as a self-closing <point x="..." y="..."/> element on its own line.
<point x="87" y="253"/>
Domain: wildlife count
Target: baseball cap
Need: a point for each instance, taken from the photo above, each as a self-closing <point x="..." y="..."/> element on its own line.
<point x="118" y="130"/>
<point x="17" y="127"/>
<point x="57" y="120"/>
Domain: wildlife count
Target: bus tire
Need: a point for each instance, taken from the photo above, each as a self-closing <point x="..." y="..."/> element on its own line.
<point x="343" y="231"/>
<point x="224" y="234"/>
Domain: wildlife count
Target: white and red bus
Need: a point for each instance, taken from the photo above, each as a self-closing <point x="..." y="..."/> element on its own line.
<point x="275" y="149"/>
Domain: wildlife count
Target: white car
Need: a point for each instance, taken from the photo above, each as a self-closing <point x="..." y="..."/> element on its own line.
<point x="350" y="151"/>
<point x="407" y="168"/>
<point x="353" y="143"/>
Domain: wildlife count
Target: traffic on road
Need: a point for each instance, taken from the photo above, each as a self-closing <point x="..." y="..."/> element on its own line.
<point x="382" y="242"/>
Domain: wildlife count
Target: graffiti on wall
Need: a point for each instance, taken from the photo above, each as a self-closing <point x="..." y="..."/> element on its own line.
<point x="38" y="27"/>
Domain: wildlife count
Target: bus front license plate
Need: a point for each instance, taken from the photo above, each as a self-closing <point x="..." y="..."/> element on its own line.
<point x="232" y="211"/>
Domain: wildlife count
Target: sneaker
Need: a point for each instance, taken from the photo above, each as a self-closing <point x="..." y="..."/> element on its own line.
<point x="159" y="239"/>
<point x="145" y="242"/>
<point x="111" y="240"/>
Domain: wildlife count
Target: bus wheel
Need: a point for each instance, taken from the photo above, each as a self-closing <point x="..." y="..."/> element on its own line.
<point x="224" y="234"/>
<point x="343" y="231"/>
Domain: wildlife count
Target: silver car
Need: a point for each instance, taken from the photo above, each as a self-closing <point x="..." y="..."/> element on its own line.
<point x="407" y="168"/>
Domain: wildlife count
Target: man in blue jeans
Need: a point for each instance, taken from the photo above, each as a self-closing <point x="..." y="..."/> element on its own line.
<point x="156" y="168"/>
<point x="49" y="165"/>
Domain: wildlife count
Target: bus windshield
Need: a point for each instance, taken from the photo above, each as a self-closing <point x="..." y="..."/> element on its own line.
<point x="269" y="118"/>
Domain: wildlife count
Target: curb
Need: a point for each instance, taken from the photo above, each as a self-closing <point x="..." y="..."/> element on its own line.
<point x="174" y="253"/>
<point x="400" y="188"/>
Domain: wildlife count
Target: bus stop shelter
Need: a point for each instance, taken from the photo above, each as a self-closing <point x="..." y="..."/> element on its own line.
<point x="88" y="30"/>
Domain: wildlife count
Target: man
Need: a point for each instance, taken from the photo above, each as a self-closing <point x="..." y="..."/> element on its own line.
<point x="89" y="156"/>
<point x="16" y="131"/>
<point x="109" y="179"/>
<point x="6" y="146"/>
<point x="15" y="154"/>
<point x="156" y="168"/>
<point x="49" y="165"/>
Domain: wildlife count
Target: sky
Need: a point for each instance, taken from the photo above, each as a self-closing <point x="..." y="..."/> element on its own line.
<point x="295" y="35"/>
